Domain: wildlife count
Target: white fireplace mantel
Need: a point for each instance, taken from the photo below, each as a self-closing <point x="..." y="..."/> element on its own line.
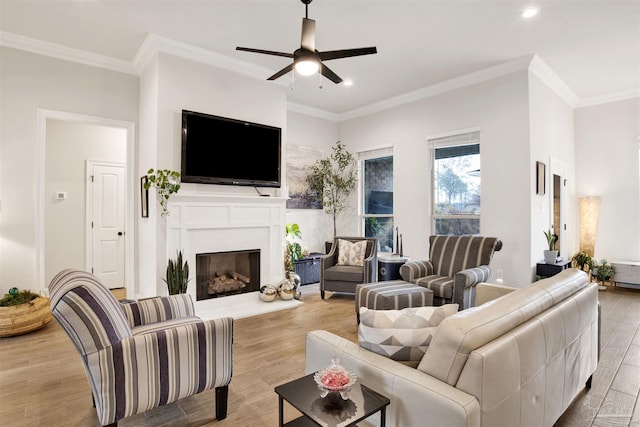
<point x="205" y="223"/>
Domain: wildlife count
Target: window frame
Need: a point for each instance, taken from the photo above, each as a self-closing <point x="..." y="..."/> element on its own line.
<point x="363" y="156"/>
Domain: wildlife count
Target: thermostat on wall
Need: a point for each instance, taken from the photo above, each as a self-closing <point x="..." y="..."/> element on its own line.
<point x="61" y="195"/>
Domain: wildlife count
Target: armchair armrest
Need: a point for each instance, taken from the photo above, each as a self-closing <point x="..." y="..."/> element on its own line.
<point x="489" y="291"/>
<point x="413" y="270"/>
<point x="183" y="360"/>
<point x="370" y="265"/>
<point x="158" y="309"/>
<point x="464" y="283"/>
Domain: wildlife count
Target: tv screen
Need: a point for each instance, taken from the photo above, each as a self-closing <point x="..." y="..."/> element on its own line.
<point x="219" y="150"/>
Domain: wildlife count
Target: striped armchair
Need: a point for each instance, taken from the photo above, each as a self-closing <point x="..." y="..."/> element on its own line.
<point x="145" y="354"/>
<point x="456" y="265"/>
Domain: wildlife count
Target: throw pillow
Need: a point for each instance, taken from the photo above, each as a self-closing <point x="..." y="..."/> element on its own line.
<point x="401" y="335"/>
<point x="351" y="253"/>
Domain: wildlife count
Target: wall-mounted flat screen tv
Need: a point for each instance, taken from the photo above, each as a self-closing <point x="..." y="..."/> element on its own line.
<point x="220" y="150"/>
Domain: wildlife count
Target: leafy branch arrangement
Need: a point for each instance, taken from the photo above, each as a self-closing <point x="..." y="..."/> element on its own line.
<point x="177" y="275"/>
<point x="166" y="183"/>
<point x="332" y="179"/>
<point x="293" y="250"/>
<point x="551" y="239"/>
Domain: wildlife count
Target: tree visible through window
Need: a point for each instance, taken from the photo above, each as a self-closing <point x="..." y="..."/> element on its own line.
<point x="456" y="188"/>
<point x="377" y="201"/>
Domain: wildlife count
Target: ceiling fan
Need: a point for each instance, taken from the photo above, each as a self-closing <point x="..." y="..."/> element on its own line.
<point x="308" y="60"/>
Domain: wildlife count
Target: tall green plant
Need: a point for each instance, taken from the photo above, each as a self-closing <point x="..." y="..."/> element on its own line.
<point x="177" y="275"/>
<point x="551" y="239"/>
<point x="333" y="179"/>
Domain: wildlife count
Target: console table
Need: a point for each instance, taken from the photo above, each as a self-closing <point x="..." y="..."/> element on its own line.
<point x="547" y="270"/>
<point x="627" y="273"/>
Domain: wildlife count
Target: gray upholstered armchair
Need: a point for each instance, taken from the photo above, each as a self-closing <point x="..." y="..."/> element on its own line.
<point x="341" y="271"/>
<point x="456" y="265"/>
<point x="141" y="355"/>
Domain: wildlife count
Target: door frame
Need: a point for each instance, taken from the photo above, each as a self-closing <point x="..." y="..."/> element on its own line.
<point x="558" y="167"/>
<point x="130" y="184"/>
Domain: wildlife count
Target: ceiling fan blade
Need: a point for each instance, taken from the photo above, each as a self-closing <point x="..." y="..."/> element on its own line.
<point x="326" y="71"/>
<point x="308" y="40"/>
<point x="282" y="72"/>
<point x="346" y="53"/>
<point x="265" y="52"/>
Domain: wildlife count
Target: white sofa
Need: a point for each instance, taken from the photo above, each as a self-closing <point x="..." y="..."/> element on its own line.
<point x="518" y="360"/>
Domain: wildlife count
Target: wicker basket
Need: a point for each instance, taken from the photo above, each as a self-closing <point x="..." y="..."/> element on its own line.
<point x="25" y="318"/>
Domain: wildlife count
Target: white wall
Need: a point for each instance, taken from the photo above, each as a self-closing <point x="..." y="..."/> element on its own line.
<point x="320" y="135"/>
<point x="552" y="141"/>
<point x="499" y="108"/>
<point x="171" y="84"/>
<point x="69" y="145"/>
<point x="29" y="82"/>
<point x="607" y="166"/>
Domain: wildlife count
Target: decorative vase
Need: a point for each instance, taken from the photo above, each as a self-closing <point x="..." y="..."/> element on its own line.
<point x="268" y="293"/>
<point x="24" y="318"/>
<point x="550" y="257"/>
<point x="296" y="280"/>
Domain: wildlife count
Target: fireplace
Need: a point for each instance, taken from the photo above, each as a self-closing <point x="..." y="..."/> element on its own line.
<point x="220" y="274"/>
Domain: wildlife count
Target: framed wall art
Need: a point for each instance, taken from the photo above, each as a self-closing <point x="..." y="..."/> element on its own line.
<point x="540" y="178"/>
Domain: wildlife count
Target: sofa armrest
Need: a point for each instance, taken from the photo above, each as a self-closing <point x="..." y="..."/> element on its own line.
<point x="413" y="270"/>
<point x="415" y="396"/>
<point x="489" y="291"/>
<point x="158" y="309"/>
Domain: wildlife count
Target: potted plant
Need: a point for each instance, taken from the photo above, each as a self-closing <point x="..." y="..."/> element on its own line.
<point x="551" y="254"/>
<point x="582" y="261"/>
<point x="604" y="272"/>
<point x="22" y="312"/>
<point x="177" y="275"/>
<point x="293" y="249"/>
<point x="332" y="179"/>
<point x="166" y="183"/>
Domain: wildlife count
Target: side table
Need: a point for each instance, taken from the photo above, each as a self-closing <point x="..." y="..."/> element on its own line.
<point x="389" y="266"/>
<point x="304" y="395"/>
<point x="547" y="270"/>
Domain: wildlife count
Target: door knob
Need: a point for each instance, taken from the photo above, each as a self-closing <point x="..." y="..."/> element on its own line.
<point x="120" y="233"/>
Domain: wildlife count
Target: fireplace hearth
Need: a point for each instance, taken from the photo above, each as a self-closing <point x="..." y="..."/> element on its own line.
<point x="220" y="274"/>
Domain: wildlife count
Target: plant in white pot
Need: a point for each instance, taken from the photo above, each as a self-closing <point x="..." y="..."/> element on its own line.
<point x="551" y="254"/>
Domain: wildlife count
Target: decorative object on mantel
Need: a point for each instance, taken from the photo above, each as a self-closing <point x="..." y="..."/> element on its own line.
<point x="551" y="255"/>
<point x="166" y="183"/>
<point x="268" y="293"/>
<point x="177" y="275"/>
<point x="22" y="312"/>
<point x="332" y="179"/>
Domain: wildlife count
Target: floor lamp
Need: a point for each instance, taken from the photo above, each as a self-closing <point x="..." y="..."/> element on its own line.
<point x="589" y="207"/>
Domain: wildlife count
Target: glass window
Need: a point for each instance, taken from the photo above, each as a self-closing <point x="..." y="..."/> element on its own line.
<point x="456" y="188"/>
<point x="377" y="204"/>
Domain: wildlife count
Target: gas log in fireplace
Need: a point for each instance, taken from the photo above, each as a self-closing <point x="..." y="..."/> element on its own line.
<point x="227" y="273"/>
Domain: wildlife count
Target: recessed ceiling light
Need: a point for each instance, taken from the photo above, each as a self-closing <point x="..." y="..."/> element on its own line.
<point x="348" y="82"/>
<point x="530" y="12"/>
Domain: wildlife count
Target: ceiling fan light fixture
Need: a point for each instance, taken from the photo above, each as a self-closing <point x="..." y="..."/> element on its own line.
<point x="307" y="67"/>
<point x="530" y="12"/>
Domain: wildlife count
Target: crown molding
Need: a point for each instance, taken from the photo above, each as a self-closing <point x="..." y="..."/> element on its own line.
<point x="314" y="112"/>
<point x="540" y="69"/>
<point x="611" y="97"/>
<point x="154" y="43"/>
<point x="54" y="50"/>
<point x="490" y="73"/>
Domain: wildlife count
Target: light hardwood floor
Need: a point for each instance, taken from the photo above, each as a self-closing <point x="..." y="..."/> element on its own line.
<point x="42" y="382"/>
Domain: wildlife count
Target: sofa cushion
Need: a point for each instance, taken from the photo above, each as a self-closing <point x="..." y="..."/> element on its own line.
<point x="470" y="329"/>
<point x="351" y="253"/>
<point x="402" y="335"/>
<point x="344" y="273"/>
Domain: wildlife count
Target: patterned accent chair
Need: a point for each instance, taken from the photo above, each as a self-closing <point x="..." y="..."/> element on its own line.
<point x="144" y="354"/>
<point x="456" y="265"/>
<point x="336" y="276"/>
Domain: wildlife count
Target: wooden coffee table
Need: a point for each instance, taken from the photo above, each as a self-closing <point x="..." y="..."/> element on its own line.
<point x="331" y="411"/>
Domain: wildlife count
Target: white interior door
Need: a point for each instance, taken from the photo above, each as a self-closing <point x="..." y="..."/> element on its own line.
<point x="107" y="207"/>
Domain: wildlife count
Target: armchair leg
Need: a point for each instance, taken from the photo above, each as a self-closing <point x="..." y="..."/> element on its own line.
<point x="222" y="396"/>
<point x="112" y="424"/>
<point x="322" y="294"/>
